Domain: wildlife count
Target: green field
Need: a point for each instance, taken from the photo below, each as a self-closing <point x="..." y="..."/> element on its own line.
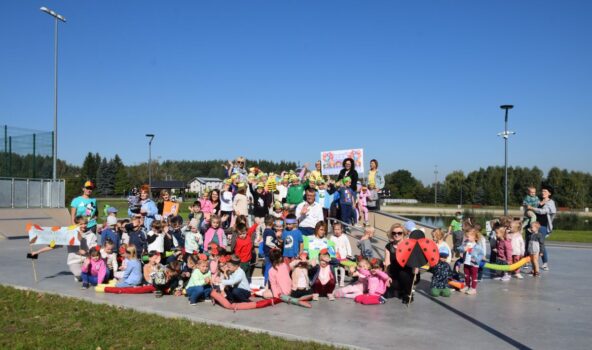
<point x="33" y="320"/>
<point x="571" y="236"/>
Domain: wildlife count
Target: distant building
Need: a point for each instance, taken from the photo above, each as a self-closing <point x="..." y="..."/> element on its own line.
<point x="199" y="184"/>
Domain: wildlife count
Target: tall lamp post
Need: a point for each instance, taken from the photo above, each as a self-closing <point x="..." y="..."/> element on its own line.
<point x="151" y="137"/>
<point x="57" y="17"/>
<point x="506" y="134"/>
<point x="435" y="185"/>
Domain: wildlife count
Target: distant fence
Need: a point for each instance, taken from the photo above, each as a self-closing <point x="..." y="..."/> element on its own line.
<point x="399" y="201"/>
<point x="32" y="193"/>
<point x="25" y="153"/>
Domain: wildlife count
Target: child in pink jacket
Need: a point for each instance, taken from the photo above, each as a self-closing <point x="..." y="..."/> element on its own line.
<point x="504" y="251"/>
<point x="353" y="290"/>
<point x="378" y="281"/>
<point x="94" y="269"/>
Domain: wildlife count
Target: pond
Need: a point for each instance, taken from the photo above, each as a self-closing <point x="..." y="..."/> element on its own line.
<point x="561" y="222"/>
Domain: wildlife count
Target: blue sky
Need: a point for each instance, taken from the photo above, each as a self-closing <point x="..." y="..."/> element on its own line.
<point x="414" y="83"/>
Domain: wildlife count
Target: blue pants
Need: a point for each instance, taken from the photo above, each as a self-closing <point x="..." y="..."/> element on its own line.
<point x="346" y="213"/>
<point x="196" y="293"/>
<point x="266" y="268"/>
<point x="89" y="279"/>
<point x="123" y="284"/>
<point x="544" y="231"/>
<point x="238" y="295"/>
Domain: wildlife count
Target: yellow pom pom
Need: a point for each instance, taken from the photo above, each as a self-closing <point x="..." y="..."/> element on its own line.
<point x="52" y="244"/>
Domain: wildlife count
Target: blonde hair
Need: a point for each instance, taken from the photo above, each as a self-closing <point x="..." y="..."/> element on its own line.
<point x="394" y="226"/>
<point x="131" y="249"/>
<point x="516" y="226"/>
<point x="437" y="234"/>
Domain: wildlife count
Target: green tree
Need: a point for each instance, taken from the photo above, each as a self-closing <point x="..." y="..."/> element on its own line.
<point x="402" y="184"/>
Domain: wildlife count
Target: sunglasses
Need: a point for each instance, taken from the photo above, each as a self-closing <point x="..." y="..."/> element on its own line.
<point x="397" y="233"/>
<point x="89" y="188"/>
<point x="240" y="162"/>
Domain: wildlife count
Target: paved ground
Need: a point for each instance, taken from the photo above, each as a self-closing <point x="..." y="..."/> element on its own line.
<point x="547" y="313"/>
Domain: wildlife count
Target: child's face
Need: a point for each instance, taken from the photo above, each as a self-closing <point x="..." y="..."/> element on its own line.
<point x="194" y="229"/>
<point x="534" y="228"/>
<point x="155" y="259"/>
<point x="337" y="230"/>
<point x="215" y="224"/>
<point x="242" y="234"/>
<point x="83" y="226"/>
<point x="443" y="259"/>
<point x="532" y="192"/>
<point x="363" y="265"/>
<point x="196" y="208"/>
<point x="231" y="267"/>
<point x="108" y="249"/>
<point x="470" y="237"/>
<point x="95" y="258"/>
<point x="347" y="183"/>
<point x="203" y="267"/>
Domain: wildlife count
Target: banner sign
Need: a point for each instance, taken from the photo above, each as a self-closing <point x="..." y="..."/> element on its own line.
<point x="53" y="235"/>
<point x="332" y="161"/>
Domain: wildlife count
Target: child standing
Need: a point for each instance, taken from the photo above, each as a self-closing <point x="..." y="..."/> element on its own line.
<point x="292" y="238"/>
<point x="472" y="256"/>
<point x="536" y="244"/>
<point x="193" y="239"/>
<point x="346" y="200"/>
<point x="455" y="229"/>
<point x="343" y="250"/>
<point x="215" y="234"/>
<point x="363" y="204"/>
<point x="438" y="237"/>
<point x="243" y="246"/>
<point x="517" y="245"/>
<point x="504" y="251"/>
<point x="94" y="269"/>
<point x="365" y="243"/>
<point x="272" y="236"/>
<point x="155" y="238"/>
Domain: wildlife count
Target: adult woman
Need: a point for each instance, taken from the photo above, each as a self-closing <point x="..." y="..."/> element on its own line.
<point x="349" y="170"/>
<point x="316" y="174"/>
<point x="402" y="276"/>
<point x="375" y="184"/>
<point x="148" y="209"/>
<point x="545" y="214"/>
<point x="238" y="168"/>
<point x="215" y="200"/>
<point x="85" y="206"/>
<point x="164" y="196"/>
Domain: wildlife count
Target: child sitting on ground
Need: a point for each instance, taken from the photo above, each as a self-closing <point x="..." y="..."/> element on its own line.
<point x="94" y="269"/>
<point x="440" y="275"/>
<point x="236" y="285"/>
<point x="323" y="282"/>
<point x="360" y="286"/>
<point x="153" y="267"/>
<point x="199" y="287"/>
<point x="378" y="281"/>
<point x="155" y="238"/>
<point x="110" y="258"/>
<point x="193" y="239"/>
<point x="132" y="276"/>
<point x="300" y="280"/>
<point x="343" y="251"/>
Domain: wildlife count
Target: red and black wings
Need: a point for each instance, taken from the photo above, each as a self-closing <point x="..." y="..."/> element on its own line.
<point x="417" y="251"/>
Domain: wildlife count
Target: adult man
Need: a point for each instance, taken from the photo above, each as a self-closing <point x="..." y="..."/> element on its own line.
<point x="309" y="213"/>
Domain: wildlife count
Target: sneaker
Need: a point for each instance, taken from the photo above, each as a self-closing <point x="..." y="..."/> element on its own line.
<point x="192" y="304"/>
<point x="479" y="280"/>
<point x="382" y="300"/>
<point x="519" y="276"/>
<point x="464" y="290"/>
<point x="331" y="297"/>
<point x="84" y="286"/>
<point x="32" y="256"/>
<point x="158" y="294"/>
<point x="506" y="278"/>
<point x="342" y="284"/>
<point x="472" y="292"/>
<point x="315" y="297"/>
<point x="498" y="278"/>
<point x="545" y="267"/>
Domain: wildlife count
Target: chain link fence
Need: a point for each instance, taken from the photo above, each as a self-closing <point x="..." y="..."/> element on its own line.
<point x="26" y="153"/>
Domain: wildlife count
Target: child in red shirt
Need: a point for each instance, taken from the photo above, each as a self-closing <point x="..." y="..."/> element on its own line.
<point x="243" y="246"/>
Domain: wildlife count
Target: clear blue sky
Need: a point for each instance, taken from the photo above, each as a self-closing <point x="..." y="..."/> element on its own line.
<point x="415" y="83"/>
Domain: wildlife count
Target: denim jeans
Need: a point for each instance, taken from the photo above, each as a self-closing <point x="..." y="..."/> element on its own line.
<point x="266" y="268"/>
<point x="544" y="231"/>
<point x="89" y="279"/>
<point x="196" y="293"/>
<point x="238" y="295"/>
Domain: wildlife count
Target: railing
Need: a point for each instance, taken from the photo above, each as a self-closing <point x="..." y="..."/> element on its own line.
<point x="32" y="193"/>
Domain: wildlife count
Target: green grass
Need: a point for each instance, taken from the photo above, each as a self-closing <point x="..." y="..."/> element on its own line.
<point x="571" y="236"/>
<point x="45" y="321"/>
<point x="121" y="205"/>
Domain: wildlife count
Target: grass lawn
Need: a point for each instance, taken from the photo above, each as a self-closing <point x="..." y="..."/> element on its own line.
<point x="34" y="320"/>
<point x="571" y="236"/>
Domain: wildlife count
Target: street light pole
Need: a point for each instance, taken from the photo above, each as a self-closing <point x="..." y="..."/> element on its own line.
<point x="57" y="18"/>
<point x="151" y="137"/>
<point x="506" y="134"/>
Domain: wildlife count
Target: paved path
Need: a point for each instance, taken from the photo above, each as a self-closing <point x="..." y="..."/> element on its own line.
<point x="551" y="312"/>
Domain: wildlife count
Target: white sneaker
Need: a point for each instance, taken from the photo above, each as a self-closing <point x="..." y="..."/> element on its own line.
<point x="464" y="290"/>
<point x="472" y="291"/>
<point x="506" y="278"/>
<point x="498" y="278"/>
<point x="519" y="276"/>
<point x="545" y="267"/>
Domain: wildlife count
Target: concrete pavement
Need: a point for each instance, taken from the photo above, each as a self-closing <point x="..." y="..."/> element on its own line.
<point x="544" y="313"/>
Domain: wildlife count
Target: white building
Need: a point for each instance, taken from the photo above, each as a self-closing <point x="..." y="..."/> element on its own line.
<point x="199" y="184"/>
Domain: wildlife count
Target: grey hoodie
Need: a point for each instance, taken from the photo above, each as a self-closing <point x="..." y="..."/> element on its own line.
<point x="550" y="210"/>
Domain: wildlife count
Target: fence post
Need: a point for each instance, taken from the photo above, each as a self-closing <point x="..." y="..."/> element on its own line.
<point x="41" y="193"/>
<point x="12" y="193"/>
<point x="10" y="156"/>
<point x="34" y="165"/>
